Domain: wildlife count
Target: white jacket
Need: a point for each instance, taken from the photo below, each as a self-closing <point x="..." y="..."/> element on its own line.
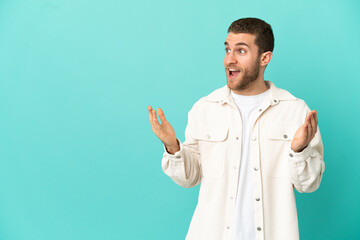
<point x="211" y="153"/>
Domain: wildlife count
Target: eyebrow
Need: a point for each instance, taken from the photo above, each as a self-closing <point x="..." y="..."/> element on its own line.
<point x="238" y="44"/>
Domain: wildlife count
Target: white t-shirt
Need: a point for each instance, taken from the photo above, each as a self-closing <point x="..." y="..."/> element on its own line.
<point x="244" y="222"/>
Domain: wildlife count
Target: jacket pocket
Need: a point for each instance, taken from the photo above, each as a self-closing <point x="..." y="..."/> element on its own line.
<point x="278" y="140"/>
<point x="212" y="147"/>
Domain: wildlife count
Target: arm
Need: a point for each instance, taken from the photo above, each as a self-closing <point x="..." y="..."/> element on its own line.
<point x="306" y="156"/>
<point x="181" y="161"/>
<point x="184" y="166"/>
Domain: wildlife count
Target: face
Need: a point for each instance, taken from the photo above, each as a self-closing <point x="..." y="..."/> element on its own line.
<point x="242" y="61"/>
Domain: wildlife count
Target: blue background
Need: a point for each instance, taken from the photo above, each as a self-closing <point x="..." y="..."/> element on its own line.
<point x="78" y="159"/>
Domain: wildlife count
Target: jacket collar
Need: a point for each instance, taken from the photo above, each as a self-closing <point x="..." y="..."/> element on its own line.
<point x="223" y="95"/>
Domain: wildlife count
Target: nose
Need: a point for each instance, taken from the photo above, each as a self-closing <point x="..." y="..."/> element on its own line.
<point x="230" y="58"/>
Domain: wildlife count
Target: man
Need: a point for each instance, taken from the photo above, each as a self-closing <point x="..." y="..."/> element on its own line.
<point x="249" y="144"/>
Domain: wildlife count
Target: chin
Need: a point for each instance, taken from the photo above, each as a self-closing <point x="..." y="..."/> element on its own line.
<point x="230" y="85"/>
<point x="233" y="84"/>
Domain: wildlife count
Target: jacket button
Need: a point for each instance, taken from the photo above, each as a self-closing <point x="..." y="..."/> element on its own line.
<point x="257" y="199"/>
<point x="253" y="138"/>
<point x="237" y="138"/>
<point x="255" y="168"/>
<point x="178" y="156"/>
<point x="275" y="101"/>
<point x="291" y="155"/>
<point x="285" y="136"/>
<point x="260" y="110"/>
<point x="259" y="228"/>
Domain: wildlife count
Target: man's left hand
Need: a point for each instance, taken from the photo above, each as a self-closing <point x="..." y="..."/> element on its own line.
<point x="305" y="133"/>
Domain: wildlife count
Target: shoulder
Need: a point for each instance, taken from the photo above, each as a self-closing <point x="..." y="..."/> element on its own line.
<point x="295" y="101"/>
<point x="214" y="97"/>
<point x="290" y="107"/>
<point x="287" y="98"/>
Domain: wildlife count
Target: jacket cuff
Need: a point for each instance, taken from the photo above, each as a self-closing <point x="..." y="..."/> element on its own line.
<point x="299" y="156"/>
<point x="176" y="155"/>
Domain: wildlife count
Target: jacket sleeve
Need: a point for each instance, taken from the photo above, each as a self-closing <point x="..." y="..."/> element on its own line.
<point x="307" y="167"/>
<point x="184" y="167"/>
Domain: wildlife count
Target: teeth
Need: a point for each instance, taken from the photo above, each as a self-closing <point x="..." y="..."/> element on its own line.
<point x="233" y="70"/>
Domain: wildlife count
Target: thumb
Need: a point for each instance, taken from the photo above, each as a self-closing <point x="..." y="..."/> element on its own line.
<point x="161" y="115"/>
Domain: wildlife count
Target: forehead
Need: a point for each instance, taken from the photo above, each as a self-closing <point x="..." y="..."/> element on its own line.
<point x="234" y="38"/>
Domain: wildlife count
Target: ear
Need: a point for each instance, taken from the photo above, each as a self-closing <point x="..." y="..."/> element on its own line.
<point x="265" y="58"/>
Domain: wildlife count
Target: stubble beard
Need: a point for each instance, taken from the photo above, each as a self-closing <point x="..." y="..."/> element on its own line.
<point x="248" y="77"/>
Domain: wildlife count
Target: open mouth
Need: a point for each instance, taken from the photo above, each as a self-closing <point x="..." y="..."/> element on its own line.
<point x="232" y="72"/>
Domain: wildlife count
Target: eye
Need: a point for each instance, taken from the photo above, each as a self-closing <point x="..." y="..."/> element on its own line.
<point x="242" y="51"/>
<point x="227" y="50"/>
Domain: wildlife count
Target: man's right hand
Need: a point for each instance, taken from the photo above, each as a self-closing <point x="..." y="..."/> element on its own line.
<point x="164" y="131"/>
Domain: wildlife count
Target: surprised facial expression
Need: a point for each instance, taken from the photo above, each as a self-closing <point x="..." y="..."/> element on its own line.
<point x="242" y="61"/>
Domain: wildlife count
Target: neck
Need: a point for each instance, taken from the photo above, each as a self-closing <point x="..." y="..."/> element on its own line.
<point x="255" y="88"/>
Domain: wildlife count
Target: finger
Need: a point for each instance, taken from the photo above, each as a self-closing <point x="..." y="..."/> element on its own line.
<point x="313" y="126"/>
<point x="314" y="115"/>
<point x="311" y="121"/>
<point x="150" y="115"/>
<point x="316" y="121"/>
<point x="307" y="119"/>
<point x="155" y="119"/>
<point x="152" y="123"/>
<point x="161" y="115"/>
<point x="308" y="128"/>
<point x="316" y="118"/>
